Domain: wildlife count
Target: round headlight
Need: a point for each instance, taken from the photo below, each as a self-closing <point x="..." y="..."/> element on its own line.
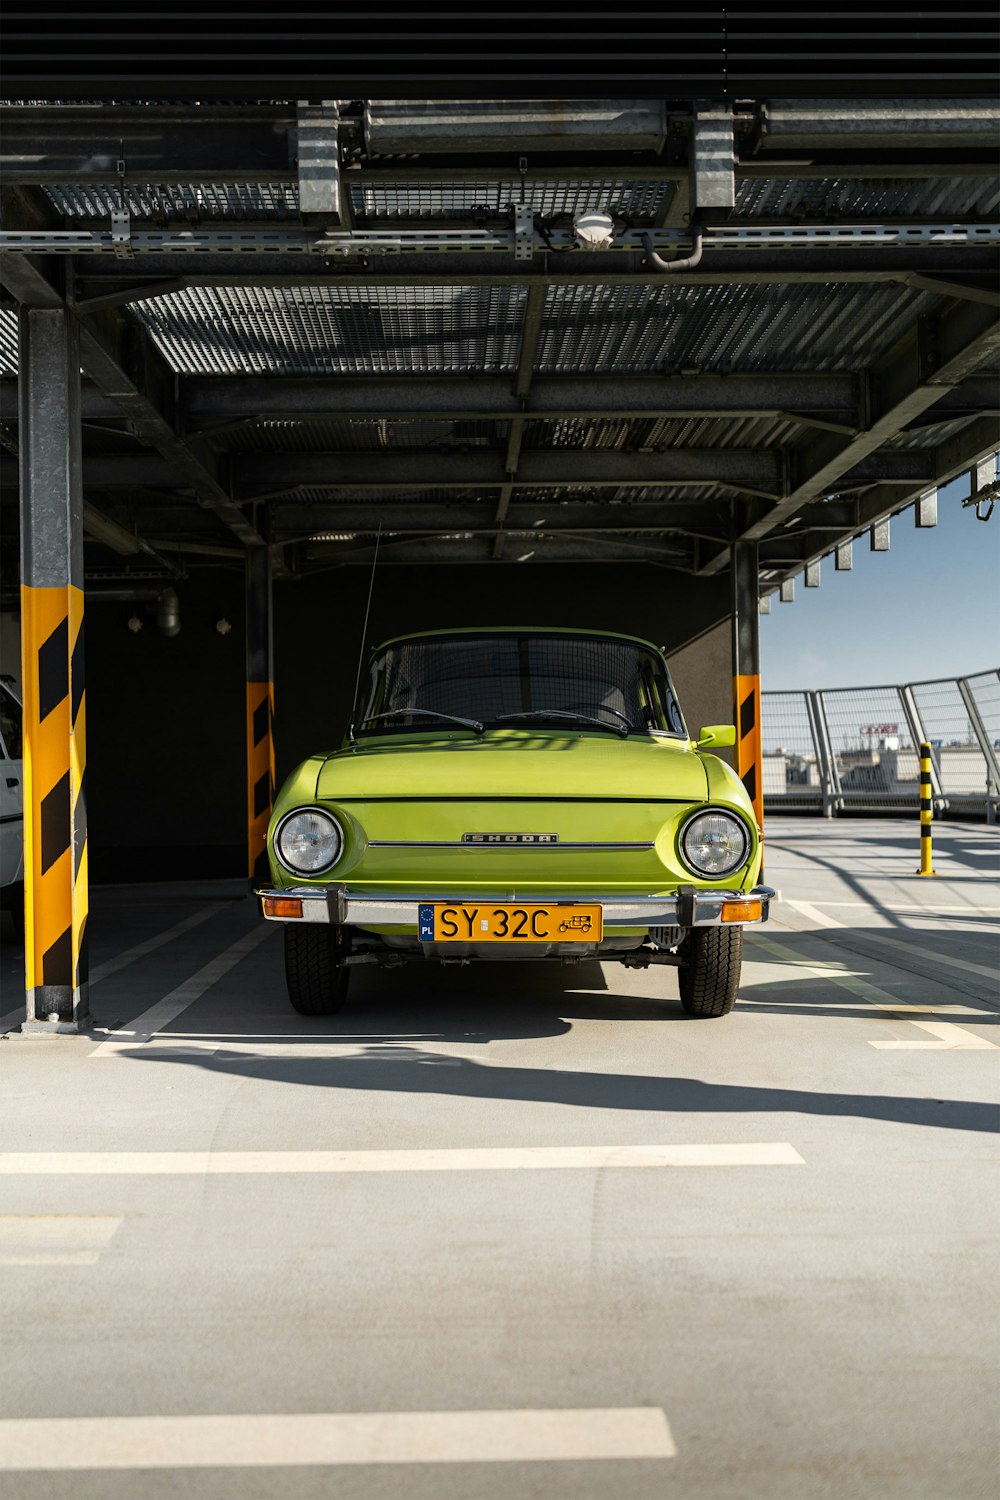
<point x="715" y="843"/>
<point x="308" y="841"/>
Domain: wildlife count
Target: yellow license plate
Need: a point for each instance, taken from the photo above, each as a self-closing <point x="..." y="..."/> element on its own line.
<point x="527" y="922"/>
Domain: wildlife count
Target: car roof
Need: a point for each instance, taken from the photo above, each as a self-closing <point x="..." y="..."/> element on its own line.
<point x="603" y="635"/>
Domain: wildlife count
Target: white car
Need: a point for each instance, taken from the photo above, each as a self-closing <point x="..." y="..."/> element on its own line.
<point x="11" y="804"/>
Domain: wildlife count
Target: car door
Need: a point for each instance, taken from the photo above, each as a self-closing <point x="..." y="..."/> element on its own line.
<point x="11" y="789"/>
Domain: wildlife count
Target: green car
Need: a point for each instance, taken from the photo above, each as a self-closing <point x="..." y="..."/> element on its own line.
<point x="511" y="794"/>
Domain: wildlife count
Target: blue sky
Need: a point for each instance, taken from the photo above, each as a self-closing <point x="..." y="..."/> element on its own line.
<point x="926" y="608"/>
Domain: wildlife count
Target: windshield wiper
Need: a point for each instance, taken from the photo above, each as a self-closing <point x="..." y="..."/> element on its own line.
<point x="426" y="713"/>
<point x="562" y="713"/>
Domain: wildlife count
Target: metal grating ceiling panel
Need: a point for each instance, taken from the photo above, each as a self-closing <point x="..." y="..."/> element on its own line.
<point x="719" y="328"/>
<point x="638" y="200"/>
<point x="168" y="203"/>
<point x="8" y="342"/>
<point x="843" y="197"/>
<point x="653" y="434"/>
<point x="932" y="435"/>
<point x="359" y="435"/>
<point x="626" y="494"/>
<point x="336" y="330"/>
<point x="309" y="494"/>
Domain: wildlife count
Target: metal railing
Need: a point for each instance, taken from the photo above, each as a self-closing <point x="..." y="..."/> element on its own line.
<point x="859" y="747"/>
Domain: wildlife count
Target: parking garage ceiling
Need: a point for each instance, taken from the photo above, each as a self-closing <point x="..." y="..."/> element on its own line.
<point x="300" y="322"/>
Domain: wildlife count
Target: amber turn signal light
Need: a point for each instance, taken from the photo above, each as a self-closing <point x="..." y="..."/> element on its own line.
<point x="282" y="906"/>
<point x="741" y="911"/>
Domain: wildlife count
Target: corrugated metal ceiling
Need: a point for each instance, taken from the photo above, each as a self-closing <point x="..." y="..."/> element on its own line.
<point x="735" y="327"/>
<point x="674" y="328"/>
<point x="336" y="330"/>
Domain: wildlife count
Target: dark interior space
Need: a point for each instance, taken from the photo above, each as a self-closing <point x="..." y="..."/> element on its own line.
<point x="166" y="778"/>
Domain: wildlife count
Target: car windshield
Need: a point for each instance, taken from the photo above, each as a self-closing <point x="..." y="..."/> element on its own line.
<point x="504" y="679"/>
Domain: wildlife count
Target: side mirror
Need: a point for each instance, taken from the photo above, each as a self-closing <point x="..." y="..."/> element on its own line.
<point x="716" y="736"/>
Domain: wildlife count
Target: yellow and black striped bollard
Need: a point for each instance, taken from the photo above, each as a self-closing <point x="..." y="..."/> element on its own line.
<point x="926" y="811"/>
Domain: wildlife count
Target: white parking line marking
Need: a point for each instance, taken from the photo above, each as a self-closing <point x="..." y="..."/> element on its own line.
<point x="164" y="1011"/>
<point x="812" y="914"/>
<point x="958" y="1038"/>
<point x="131" y="955"/>
<point x="950" y="1038"/>
<point x="122" y="960"/>
<point x="460" y="1159"/>
<point x="915" y="911"/>
<point x="407" y="1437"/>
<point x="54" y="1239"/>
<point x="822" y="920"/>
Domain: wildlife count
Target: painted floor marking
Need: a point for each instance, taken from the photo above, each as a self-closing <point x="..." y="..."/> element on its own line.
<point x="54" y="1239"/>
<point x="952" y="1037"/>
<point x="913" y="911"/>
<point x="408" y="1437"/>
<point x="812" y="914"/>
<point x="122" y="960"/>
<point x="460" y="1159"/>
<point x="164" y="1011"/>
<point x="131" y="955"/>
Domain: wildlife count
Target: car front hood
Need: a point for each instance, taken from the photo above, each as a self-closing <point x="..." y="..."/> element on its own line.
<point x="521" y="764"/>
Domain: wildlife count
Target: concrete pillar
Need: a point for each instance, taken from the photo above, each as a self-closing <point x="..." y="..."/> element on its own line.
<point x="260" y="711"/>
<point x="52" y="673"/>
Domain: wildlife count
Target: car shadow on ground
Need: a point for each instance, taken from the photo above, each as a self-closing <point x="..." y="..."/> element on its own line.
<point x="390" y="1051"/>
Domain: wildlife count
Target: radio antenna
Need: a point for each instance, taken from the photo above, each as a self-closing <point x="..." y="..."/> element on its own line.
<point x="364" y="630"/>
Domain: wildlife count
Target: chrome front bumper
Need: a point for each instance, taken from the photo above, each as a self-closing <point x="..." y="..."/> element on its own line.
<point x="689" y="908"/>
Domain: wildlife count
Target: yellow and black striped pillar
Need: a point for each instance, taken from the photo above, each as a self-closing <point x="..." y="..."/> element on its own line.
<point x="260" y="711"/>
<point x="52" y="676"/>
<point x="926" y="811"/>
<point x="746" y="673"/>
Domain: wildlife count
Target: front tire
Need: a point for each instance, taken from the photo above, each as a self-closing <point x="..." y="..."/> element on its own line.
<point x="315" y="975"/>
<point x="709" y="975"/>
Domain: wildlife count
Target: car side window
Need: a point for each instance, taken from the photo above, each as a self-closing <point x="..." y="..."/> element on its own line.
<point x="10" y="723"/>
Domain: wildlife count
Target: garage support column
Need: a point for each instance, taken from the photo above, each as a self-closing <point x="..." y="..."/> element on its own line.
<point x="746" y="672"/>
<point x="52" y="673"/>
<point x="260" y="711"/>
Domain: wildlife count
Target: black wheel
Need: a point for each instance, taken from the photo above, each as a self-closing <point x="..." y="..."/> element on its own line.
<point x="317" y="980"/>
<point x="709" y="974"/>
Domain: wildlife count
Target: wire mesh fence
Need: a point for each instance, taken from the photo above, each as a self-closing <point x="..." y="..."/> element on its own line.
<point x="859" y="747"/>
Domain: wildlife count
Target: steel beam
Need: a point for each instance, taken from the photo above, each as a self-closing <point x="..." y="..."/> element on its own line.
<point x="812" y="399"/>
<point x="909" y="381"/>
<point x="531" y="332"/>
<point x="110" y="348"/>
<point x="881" y="501"/>
<point x="750" y="471"/>
<point x="462" y="548"/>
<point x="207" y="401"/>
<point x="878" y="124"/>
<point x="159" y="144"/>
<point x="500" y="242"/>
<point x="301" y="521"/>
<point x="55" y="713"/>
<point x="819" y="265"/>
<point x="395" y="127"/>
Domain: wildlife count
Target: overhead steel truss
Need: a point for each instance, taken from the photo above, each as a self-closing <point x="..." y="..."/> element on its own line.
<point x="394" y="228"/>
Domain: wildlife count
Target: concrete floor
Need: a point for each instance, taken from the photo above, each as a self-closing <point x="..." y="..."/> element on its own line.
<point x="804" y="1306"/>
